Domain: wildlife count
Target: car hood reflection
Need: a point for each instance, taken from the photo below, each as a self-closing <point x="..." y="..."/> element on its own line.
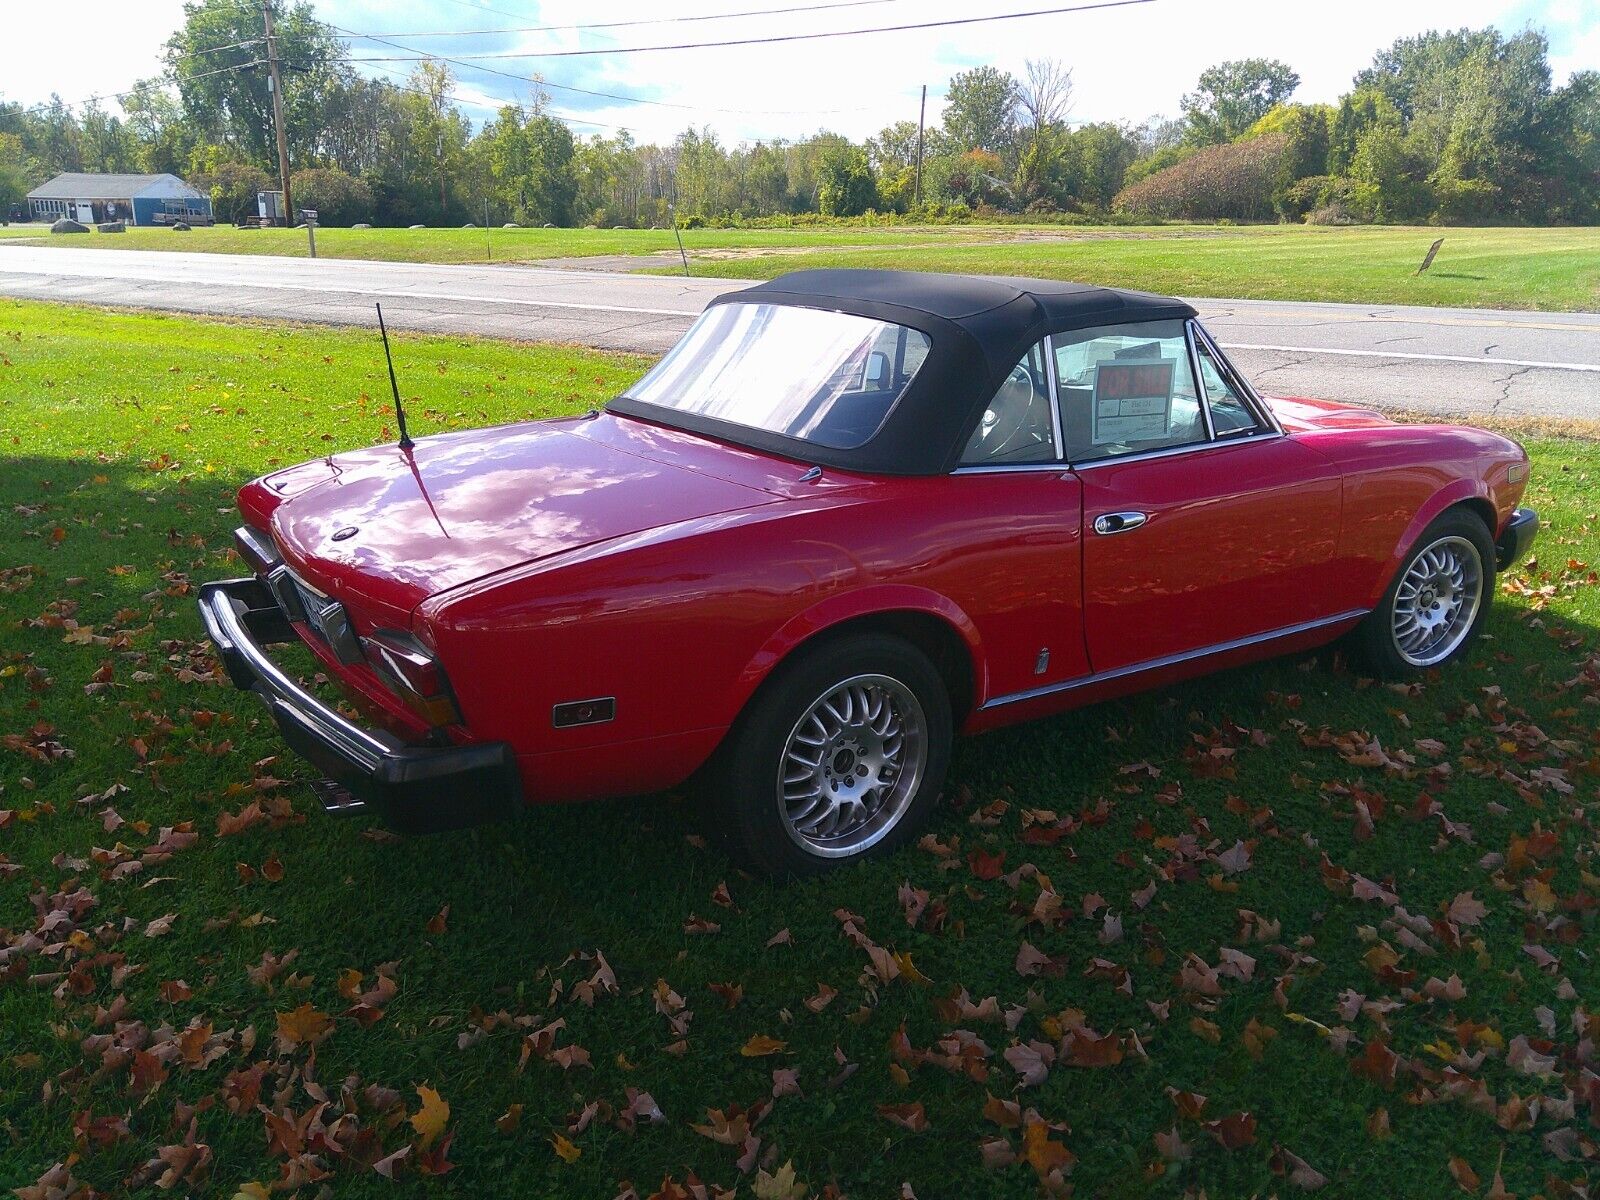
<point x="462" y="506"/>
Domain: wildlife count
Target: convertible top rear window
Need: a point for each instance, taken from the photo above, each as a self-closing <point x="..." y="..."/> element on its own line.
<point x="828" y="378"/>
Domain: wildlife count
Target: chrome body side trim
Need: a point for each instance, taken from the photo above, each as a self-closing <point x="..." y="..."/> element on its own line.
<point x="1054" y="385"/>
<point x="1170" y="660"/>
<point x="1171" y="451"/>
<point x="1057" y="468"/>
<point x="1201" y="396"/>
<point x="1242" y="385"/>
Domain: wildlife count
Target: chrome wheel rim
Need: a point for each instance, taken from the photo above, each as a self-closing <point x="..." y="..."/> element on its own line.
<point x="1437" y="601"/>
<point x="851" y="765"/>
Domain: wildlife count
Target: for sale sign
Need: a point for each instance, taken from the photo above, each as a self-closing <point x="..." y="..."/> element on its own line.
<point x="1132" y="400"/>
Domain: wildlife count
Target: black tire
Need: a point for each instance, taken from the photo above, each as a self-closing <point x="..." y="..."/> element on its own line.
<point x="740" y="788"/>
<point x="1373" y="642"/>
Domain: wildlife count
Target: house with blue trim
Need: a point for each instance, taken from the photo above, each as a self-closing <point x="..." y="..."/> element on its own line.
<point x="136" y="199"/>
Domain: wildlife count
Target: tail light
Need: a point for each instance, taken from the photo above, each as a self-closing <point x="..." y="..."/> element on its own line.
<point x="413" y="674"/>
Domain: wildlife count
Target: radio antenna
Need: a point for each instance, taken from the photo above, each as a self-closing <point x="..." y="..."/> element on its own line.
<point x="399" y="409"/>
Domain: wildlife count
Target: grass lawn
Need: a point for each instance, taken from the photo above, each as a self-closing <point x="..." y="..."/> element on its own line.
<point x="506" y="245"/>
<point x="1368" y="963"/>
<point x="1550" y="269"/>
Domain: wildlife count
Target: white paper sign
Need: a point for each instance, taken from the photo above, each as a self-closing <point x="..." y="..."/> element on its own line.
<point x="1132" y="400"/>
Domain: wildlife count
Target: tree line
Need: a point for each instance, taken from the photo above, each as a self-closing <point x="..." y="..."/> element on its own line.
<point x="1457" y="126"/>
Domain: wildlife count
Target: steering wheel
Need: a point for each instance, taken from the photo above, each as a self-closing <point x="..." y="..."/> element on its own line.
<point x="1007" y="412"/>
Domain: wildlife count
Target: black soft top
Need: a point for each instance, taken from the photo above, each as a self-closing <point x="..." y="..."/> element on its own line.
<point x="979" y="326"/>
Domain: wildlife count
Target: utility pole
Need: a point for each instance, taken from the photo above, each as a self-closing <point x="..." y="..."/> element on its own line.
<point x="922" y="117"/>
<point x="276" y="83"/>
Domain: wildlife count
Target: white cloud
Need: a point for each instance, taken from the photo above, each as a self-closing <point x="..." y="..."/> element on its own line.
<point x="1128" y="63"/>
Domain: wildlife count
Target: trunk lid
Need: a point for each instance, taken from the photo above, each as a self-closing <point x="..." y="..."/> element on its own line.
<point x="392" y="528"/>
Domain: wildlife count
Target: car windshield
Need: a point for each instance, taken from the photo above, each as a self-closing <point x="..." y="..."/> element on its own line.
<point x="828" y="378"/>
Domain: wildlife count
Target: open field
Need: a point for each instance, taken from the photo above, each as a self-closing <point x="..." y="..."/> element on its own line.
<point x="506" y="245"/>
<point x="1551" y="269"/>
<point x="1359" y="921"/>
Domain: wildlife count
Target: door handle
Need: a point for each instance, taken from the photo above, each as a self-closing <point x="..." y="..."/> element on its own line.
<point x="1119" y="522"/>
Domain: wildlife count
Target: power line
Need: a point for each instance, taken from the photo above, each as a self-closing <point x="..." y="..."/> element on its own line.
<point x="416" y="91"/>
<point x="216" y="49"/>
<point x="44" y="106"/>
<point x="751" y="12"/>
<point x="415" y="55"/>
<point x="775" y="38"/>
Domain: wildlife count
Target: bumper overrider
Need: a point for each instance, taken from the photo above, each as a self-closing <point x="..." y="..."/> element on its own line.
<point x="1518" y="535"/>
<point x="415" y="789"/>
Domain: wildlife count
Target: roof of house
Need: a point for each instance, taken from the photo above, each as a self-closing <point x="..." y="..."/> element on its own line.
<point x="73" y="185"/>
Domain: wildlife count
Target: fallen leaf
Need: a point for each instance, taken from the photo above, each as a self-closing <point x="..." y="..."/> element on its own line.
<point x="911" y="1116"/>
<point x="429" y="1120"/>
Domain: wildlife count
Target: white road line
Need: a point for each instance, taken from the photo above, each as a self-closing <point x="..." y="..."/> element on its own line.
<point x="1461" y="358"/>
<point x="380" y="293"/>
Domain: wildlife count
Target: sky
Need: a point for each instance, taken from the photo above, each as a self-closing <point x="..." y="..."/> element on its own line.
<point x="1129" y="63"/>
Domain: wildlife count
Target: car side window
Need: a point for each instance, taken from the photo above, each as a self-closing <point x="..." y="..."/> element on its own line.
<point x="1017" y="427"/>
<point x="1230" y="415"/>
<point x="1127" y="389"/>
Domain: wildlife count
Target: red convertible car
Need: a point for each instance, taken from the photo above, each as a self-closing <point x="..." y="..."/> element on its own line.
<point x="850" y="515"/>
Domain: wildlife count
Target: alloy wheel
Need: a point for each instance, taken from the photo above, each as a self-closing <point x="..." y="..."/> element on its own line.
<point x="1437" y="601"/>
<point x="851" y="765"/>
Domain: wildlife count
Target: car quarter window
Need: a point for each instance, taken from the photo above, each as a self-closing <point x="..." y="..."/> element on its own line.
<point x="1017" y="427"/>
<point x="1231" y="416"/>
<point x="1127" y="389"/>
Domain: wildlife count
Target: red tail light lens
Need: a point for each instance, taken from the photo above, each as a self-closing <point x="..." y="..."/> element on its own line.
<point x="413" y="674"/>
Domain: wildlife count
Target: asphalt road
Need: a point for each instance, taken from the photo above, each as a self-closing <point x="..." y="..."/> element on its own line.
<point x="1460" y="362"/>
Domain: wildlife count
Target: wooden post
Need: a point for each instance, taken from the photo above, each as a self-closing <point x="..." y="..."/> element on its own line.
<point x="276" y="82"/>
<point x="922" y="117"/>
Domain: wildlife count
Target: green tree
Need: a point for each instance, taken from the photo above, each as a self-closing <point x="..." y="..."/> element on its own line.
<point x="1571" y="149"/>
<point x="1305" y="155"/>
<point x="107" y="146"/>
<point x="847" y="186"/>
<point x="1233" y="96"/>
<point x="13" y="175"/>
<point x="233" y="187"/>
<point x="164" y="139"/>
<point x="980" y="111"/>
<point x="532" y="162"/>
<point x="1363" y="109"/>
<point x="435" y="135"/>
<point x="217" y="60"/>
<point x="765" y="179"/>
<point x="1094" y="164"/>
<point x="1493" y="139"/>
<point x="1387" y="177"/>
<point x="53" y="140"/>
<point x="338" y="197"/>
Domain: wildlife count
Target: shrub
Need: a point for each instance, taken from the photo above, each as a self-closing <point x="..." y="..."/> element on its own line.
<point x="1331" y="214"/>
<point x="1311" y="193"/>
<point x="339" y="197"/>
<point x="1465" y="200"/>
<point x="233" y="187"/>
<point x="1233" y="180"/>
<point x="847" y="187"/>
